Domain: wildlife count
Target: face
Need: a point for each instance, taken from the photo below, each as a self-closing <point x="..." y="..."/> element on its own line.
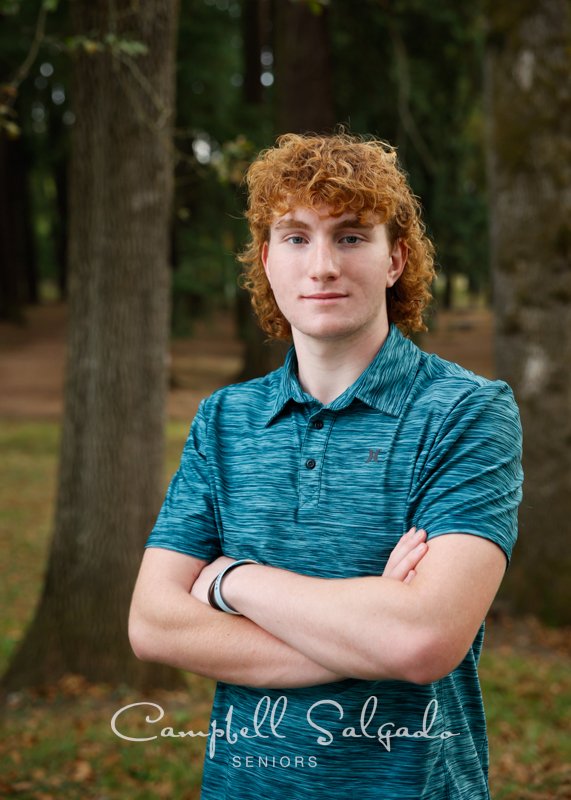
<point x="329" y="275"/>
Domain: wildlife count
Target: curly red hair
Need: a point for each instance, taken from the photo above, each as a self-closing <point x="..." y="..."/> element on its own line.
<point x="345" y="173"/>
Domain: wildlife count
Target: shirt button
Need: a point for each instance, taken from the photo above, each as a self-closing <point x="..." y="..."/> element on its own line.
<point x="318" y="423"/>
<point x="310" y="463"/>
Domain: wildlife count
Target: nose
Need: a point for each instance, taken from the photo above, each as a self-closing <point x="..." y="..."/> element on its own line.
<point x="323" y="262"/>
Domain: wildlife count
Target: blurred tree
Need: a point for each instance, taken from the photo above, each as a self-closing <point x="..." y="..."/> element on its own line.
<point x="528" y="68"/>
<point x="304" y="91"/>
<point x="297" y="58"/>
<point x="111" y="465"/>
<point x="34" y="123"/>
<point x="402" y="69"/>
<point x="257" y="55"/>
<point x="411" y="72"/>
<point x="253" y="42"/>
<point x="414" y="78"/>
<point x="18" y="264"/>
<point x="209" y="113"/>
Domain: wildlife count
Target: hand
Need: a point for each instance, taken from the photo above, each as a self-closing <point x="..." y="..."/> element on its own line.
<point x="208" y="573"/>
<point x="407" y="553"/>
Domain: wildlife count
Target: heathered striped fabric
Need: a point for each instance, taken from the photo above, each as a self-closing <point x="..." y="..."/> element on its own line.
<point x="269" y="473"/>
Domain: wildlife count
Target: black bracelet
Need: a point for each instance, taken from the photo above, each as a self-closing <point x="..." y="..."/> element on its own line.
<point x="214" y="590"/>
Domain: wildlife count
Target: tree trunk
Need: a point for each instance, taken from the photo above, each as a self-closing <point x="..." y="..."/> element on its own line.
<point x="528" y="68"/>
<point x="111" y="470"/>
<point x="18" y="273"/>
<point x="303" y="68"/>
<point x="304" y="103"/>
<point x="259" y="355"/>
<point x="252" y="50"/>
<point x="60" y="169"/>
<point x="448" y="296"/>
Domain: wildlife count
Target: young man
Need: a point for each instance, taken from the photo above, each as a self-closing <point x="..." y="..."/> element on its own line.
<point x="346" y="656"/>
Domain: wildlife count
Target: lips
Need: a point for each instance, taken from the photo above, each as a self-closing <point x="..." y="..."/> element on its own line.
<point x="324" y="296"/>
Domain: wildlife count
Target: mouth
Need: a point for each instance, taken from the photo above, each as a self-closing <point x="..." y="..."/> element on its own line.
<point x="324" y="296"/>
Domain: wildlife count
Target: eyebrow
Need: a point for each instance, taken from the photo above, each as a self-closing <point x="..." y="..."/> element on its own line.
<point x="291" y="223"/>
<point x="353" y="222"/>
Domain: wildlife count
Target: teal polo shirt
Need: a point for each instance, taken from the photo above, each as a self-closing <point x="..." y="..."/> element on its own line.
<point x="270" y="473"/>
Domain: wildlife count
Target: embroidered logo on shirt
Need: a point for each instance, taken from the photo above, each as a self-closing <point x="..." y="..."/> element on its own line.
<point x="373" y="455"/>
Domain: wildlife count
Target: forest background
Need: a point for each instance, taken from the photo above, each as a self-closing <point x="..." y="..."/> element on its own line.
<point x="125" y="131"/>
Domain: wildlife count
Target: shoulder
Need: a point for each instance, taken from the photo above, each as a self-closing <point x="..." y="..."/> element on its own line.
<point x="454" y="402"/>
<point x="440" y="375"/>
<point x="240" y="403"/>
<point x="447" y="384"/>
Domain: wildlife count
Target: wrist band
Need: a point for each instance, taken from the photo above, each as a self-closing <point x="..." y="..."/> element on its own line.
<point x="214" y="591"/>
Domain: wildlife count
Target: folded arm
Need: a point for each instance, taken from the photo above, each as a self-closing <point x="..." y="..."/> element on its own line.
<point x="372" y="627"/>
<point x="169" y="625"/>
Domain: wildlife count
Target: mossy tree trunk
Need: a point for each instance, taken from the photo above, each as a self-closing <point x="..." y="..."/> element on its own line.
<point x="529" y="108"/>
<point x="111" y="470"/>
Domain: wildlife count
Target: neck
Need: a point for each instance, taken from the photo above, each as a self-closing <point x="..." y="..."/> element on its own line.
<point x="327" y="367"/>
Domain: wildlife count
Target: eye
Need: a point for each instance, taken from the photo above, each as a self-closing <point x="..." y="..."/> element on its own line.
<point x="295" y="239"/>
<point x="351" y="238"/>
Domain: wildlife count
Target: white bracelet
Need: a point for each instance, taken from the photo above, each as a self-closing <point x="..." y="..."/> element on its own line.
<point x="215" y="594"/>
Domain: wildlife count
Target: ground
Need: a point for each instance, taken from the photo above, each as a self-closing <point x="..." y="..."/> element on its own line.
<point x="32" y="365"/>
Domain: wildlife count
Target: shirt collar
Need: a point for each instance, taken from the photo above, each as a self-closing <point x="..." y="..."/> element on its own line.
<point x="383" y="385"/>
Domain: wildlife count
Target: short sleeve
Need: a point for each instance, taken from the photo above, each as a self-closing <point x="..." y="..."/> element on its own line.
<point x="471" y="481"/>
<point x="186" y="521"/>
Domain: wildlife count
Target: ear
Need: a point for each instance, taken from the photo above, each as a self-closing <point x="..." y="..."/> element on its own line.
<point x="265" y="250"/>
<point x="399" y="255"/>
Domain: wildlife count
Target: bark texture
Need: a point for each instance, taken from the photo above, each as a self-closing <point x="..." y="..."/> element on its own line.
<point x="529" y="108"/>
<point x="111" y="470"/>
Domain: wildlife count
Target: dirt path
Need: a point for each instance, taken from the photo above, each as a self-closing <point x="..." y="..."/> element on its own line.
<point x="32" y="365"/>
<point x="32" y="359"/>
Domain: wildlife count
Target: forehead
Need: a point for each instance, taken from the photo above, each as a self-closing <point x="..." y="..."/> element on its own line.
<point x="322" y="216"/>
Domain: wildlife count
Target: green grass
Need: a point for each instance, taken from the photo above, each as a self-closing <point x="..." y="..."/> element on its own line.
<point x="28" y="477"/>
<point x="528" y="705"/>
<point x="60" y="744"/>
<point x="27" y="488"/>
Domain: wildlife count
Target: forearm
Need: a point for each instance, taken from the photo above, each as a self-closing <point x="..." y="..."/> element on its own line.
<point x="176" y="629"/>
<point x="378" y="627"/>
<point x="369" y="627"/>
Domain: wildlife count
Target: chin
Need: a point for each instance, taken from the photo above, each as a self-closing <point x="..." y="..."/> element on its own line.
<point x="329" y="331"/>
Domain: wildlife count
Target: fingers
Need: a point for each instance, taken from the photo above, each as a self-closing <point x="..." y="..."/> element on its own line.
<point x="406" y="555"/>
<point x="401" y="571"/>
<point x="409" y="540"/>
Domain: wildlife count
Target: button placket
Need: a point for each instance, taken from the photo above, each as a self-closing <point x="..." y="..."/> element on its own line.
<point x="312" y="455"/>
